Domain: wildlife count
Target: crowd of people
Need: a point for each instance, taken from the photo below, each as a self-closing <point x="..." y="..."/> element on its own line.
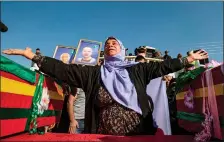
<point x="109" y="98"/>
<point x="142" y="51"/>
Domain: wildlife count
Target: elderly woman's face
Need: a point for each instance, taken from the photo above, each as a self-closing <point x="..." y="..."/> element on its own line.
<point x="65" y="58"/>
<point x="112" y="47"/>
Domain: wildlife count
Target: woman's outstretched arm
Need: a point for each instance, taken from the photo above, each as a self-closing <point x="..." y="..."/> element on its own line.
<point x="158" y="69"/>
<point x="72" y="74"/>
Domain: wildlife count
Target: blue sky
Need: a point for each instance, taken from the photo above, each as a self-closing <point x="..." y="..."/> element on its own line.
<point x="176" y="26"/>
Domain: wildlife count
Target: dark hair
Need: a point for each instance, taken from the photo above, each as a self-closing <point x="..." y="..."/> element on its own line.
<point x="188" y="53"/>
<point x="38" y="49"/>
<point x="179" y="56"/>
<point x="141" y="50"/>
<point x="3" y="27"/>
<point x="102" y="61"/>
<point x="139" y="58"/>
<point x="156" y="54"/>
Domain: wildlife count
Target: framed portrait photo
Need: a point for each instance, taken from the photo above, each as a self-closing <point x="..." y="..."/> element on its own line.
<point x="88" y="52"/>
<point x="64" y="53"/>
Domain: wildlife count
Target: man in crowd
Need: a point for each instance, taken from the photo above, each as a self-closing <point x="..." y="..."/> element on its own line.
<point x="34" y="65"/>
<point x="179" y="56"/>
<point x="157" y="55"/>
<point x="76" y="111"/>
<point x="141" y="51"/>
<point x="37" y="53"/>
<point x="100" y="62"/>
<point x="130" y="54"/>
<point x="166" y="56"/>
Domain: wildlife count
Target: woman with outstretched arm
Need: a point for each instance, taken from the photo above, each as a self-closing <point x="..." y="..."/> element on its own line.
<point x="116" y="99"/>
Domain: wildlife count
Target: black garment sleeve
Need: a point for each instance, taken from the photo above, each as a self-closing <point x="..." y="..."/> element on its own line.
<point x="158" y="69"/>
<point x="142" y="73"/>
<point x="72" y="74"/>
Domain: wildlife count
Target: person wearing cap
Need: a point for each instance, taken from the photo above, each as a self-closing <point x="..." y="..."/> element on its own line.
<point x="37" y="53"/>
<point x="166" y="56"/>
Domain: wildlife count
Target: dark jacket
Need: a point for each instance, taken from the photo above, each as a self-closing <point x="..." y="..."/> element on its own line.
<point x="167" y="57"/>
<point x="88" y="78"/>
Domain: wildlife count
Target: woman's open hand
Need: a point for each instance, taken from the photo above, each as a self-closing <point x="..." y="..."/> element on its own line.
<point x="199" y="55"/>
<point x="73" y="126"/>
<point x="26" y="53"/>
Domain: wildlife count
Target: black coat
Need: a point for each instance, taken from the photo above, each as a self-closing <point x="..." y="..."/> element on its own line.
<point x="88" y="78"/>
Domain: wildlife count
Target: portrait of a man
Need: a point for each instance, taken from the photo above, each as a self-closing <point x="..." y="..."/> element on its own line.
<point x="87" y="56"/>
<point x="88" y="52"/>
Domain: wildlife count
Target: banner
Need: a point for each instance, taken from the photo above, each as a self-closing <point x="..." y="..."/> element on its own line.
<point x="29" y="100"/>
<point x="156" y="89"/>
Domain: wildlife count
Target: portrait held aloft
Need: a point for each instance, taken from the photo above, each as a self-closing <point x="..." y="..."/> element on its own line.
<point x="88" y="52"/>
<point x="63" y="53"/>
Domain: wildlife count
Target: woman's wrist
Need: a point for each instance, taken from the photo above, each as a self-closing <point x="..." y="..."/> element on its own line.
<point x="72" y="121"/>
<point x="31" y="56"/>
<point x="184" y="61"/>
<point x="28" y="53"/>
<point x="37" y="59"/>
<point x="190" y="59"/>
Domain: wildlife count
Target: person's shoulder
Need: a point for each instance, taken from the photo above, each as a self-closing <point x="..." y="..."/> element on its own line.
<point x="93" y="59"/>
<point x="137" y="70"/>
<point x="80" y="91"/>
<point x="137" y="66"/>
<point x="90" y="69"/>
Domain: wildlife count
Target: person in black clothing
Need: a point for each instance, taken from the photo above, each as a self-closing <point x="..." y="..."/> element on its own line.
<point x="116" y="99"/>
<point x="37" y="53"/>
<point x="3" y="27"/>
<point x="157" y="55"/>
<point x="166" y="56"/>
<point x="179" y="56"/>
<point x="171" y="95"/>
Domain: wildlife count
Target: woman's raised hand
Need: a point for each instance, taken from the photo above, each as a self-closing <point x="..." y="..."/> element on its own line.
<point x="26" y="53"/>
<point x="199" y="55"/>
